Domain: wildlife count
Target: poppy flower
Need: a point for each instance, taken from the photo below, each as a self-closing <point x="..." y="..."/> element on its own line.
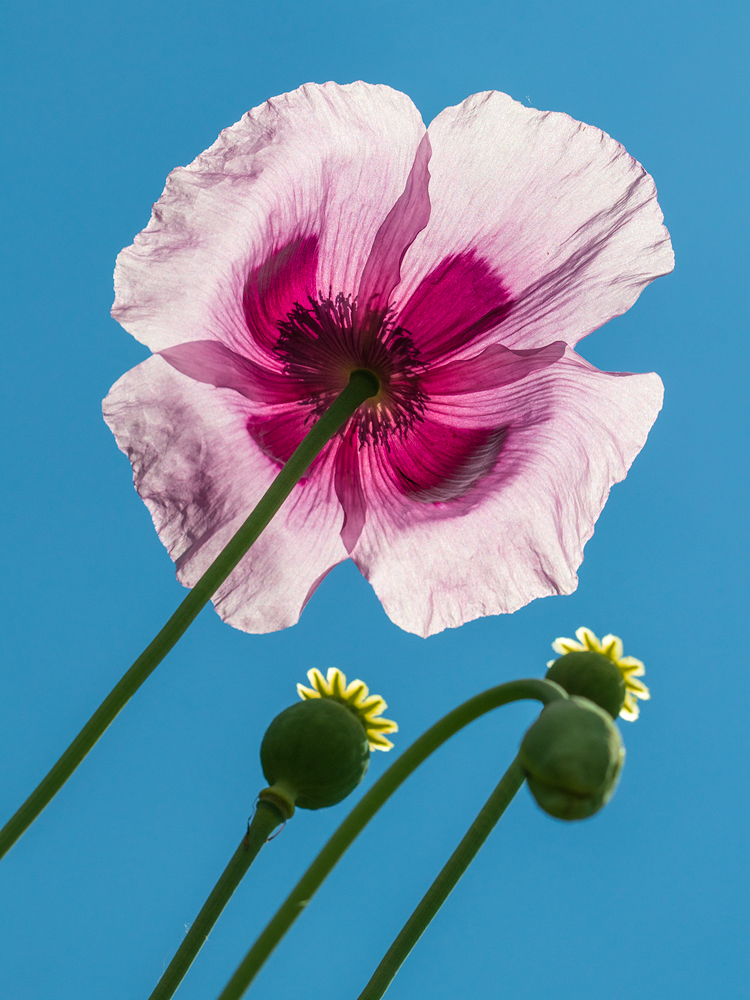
<point x="327" y="231"/>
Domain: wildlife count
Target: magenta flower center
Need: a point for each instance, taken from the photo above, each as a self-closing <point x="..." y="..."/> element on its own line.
<point x="322" y="343"/>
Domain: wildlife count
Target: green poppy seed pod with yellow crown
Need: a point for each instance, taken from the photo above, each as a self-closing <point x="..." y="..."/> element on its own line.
<point x="314" y="754"/>
<point x="590" y="675"/>
<point x="572" y="756"/>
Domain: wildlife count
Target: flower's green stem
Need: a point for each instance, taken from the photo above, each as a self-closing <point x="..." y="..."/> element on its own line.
<point x="362" y="385"/>
<point x="362" y="813"/>
<point x="267" y="817"/>
<point x="444" y="884"/>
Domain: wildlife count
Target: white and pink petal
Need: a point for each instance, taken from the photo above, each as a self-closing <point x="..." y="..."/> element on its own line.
<point x="292" y="196"/>
<point x="200" y="472"/>
<point x="518" y="532"/>
<point x="554" y="213"/>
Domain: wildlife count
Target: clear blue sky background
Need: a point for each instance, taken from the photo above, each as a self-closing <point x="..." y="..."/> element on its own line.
<point x="647" y="900"/>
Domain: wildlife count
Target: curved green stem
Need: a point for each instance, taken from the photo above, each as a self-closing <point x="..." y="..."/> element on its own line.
<point x="362" y="813"/>
<point x="362" y="385"/>
<point x="265" y="820"/>
<point x="445" y="883"/>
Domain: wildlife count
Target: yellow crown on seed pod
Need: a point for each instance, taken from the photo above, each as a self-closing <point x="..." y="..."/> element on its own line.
<point x="357" y="698"/>
<point x="611" y="647"/>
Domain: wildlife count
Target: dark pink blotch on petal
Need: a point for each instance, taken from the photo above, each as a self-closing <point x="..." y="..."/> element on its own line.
<point x="457" y="302"/>
<point x="278" y="434"/>
<point x="494" y="367"/>
<point x="288" y="275"/>
<point x="348" y="484"/>
<point x="440" y="463"/>
<point x="212" y="362"/>
<point x="402" y="225"/>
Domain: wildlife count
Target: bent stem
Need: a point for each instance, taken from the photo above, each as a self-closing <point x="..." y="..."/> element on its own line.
<point x="369" y="804"/>
<point x="445" y="883"/>
<point x="362" y="385"/>
<point x="267" y="817"/>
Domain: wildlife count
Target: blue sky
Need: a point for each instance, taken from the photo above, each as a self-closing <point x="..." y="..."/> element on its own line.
<point x="647" y="900"/>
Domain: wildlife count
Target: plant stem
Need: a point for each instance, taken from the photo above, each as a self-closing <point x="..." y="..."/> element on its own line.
<point x="444" y="884"/>
<point x="362" y="813"/>
<point x="267" y="817"/>
<point x="362" y="385"/>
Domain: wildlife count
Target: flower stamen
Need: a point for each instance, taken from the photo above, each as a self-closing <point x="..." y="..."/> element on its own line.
<point x="321" y="343"/>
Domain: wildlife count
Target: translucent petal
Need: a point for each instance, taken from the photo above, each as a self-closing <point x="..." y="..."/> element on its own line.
<point x="318" y="681"/>
<point x="563" y="646"/>
<point x="638" y="688"/>
<point x="373" y="705"/>
<point x="305" y="692"/>
<point x="629" y="665"/>
<point x="588" y="639"/>
<point x="517" y="530"/>
<point x="324" y="161"/>
<point x="556" y="208"/>
<point x="382" y="726"/>
<point x="406" y="219"/>
<point x="630" y="710"/>
<point x="356" y="692"/>
<point x="337" y="683"/>
<point x="379" y="742"/>
<point x="612" y="647"/>
<point x="200" y="473"/>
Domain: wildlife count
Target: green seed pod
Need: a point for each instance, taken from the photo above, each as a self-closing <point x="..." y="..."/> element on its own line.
<point x="572" y="756"/>
<point x="591" y="675"/>
<point x="314" y="754"/>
